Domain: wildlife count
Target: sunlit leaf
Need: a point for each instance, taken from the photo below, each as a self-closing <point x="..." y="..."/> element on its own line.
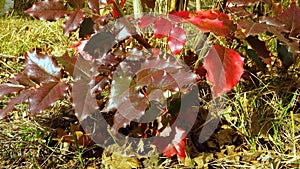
<point x="146" y="21"/>
<point x="162" y="27"/>
<point x="85" y="86"/>
<point x="212" y="21"/>
<point x="21" y="79"/>
<point x="94" y="5"/>
<point x="73" y="21"/>
<point x="9" y="88"/>
<point x="49" y="10"/>
<point x="224" y="69"/>
<point x="176" y="147"/>
<point x="41" y="68"/>
<point x="177" y="40"/>
<point x="21" y="98"/>
<point x="84" y="101"/>
<point x="46" y="95"/>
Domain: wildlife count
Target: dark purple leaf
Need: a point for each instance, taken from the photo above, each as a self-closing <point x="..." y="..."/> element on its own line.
<point x="21" y="98"/>
<point x="77" y="4"/>
<point x="49" y="10"/>
<point x="84" y="100"/>
<point x="94" y="5"/>
<point x="99" y="44"/>
<point x="21" y="79"/>
<point x="86" y="28"/>
<point x="122" y="30"/>
<point x="162" y="27"/>
<point x="252" y="28"/>
<point x="108" y="59"/>
<point x="46" y="95"/>
<point x="82" y="69"/>
<point x="284" y="55"/>
<point x="132" y="96"/>
<point x="149" y="3"/>
<point x="10" y="88"/>
<point x="67" y="62"/>
<point x="240" y="11"/>
<point x="290" y="19"/>
<point x="260" y="47"/>
<point x="41" y="68"/>
<point x="254" y="56"/>
<point x="73" y="21"/>
<point x="84" y="88"/>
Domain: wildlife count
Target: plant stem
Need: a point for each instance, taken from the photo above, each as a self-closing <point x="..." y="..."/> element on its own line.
<point x="130" y="27"/>
<point x="198" y="5"/>
<point x="137" y="8"/>
<point x="76" y="145"/>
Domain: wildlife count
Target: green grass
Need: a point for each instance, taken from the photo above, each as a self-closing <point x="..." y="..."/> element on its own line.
<point x="21" y="34"/>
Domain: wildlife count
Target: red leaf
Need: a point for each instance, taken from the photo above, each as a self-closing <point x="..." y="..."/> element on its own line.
<point x="73" y="21"/>
<point x="178" y="17"/>
<point x="21" y="98"/>
<point x="10" y="88"/>
<point x="180" y="14"/>
<point x="176" y="147"/>
<point x="177" y="40"/>
<point x="162" y="28"/>
<point x="79" y="46"/>
<point x="41" y="68"/>
<point x="122" y="2"/>
<point x="224" y="68"/>
<point x="212" y="21"/>
<point x="46" y="95"/>
<point x="146" y="20"/>
<point x="49" y="10"/>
